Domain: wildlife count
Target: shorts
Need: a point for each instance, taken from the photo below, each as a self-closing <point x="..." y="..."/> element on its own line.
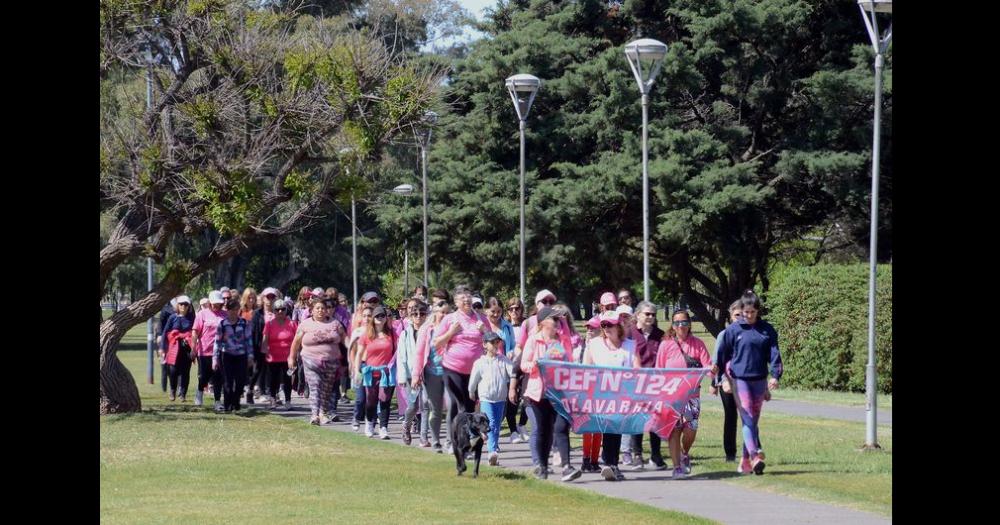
<point x="689" y="418"/>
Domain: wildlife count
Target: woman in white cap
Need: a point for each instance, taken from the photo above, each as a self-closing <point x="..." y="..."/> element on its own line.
<point x="260" y="317"/>
<point x="627" y="318"/>
<point x="203" y="304"/>
<point x="276" y="339"/>
<point x="206" y="324"/>
<point x="317" y="340"/>
<point x="611" y="349"/>
<point x="177" y="344"/>
<point x="406" y="370"/>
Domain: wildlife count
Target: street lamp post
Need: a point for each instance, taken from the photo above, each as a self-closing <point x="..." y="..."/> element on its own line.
<point x="407" y="189"/>
<point x="869" y="10"/>
<point x="149" y="260"/>
<point x="645" y="57"/>
<point x="423" y="134"/>
<point x="354" y="232"/>
<point x="522" y="89"/>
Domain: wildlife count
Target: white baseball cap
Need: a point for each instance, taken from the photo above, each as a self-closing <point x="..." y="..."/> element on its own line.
<point x="215" y="297"/>
<point x="183" y="299"/>
<point x="543" y="294"/>
<point x="269" y="291"/>
<point x="204" y="300"/>
<point x="624" y="309"/>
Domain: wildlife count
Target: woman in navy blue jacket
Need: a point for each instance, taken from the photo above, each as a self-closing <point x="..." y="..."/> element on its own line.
<point x="745" y="351"/>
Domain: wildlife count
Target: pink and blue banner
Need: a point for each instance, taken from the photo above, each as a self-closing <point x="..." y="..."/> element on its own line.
<point x="619" y="400"/>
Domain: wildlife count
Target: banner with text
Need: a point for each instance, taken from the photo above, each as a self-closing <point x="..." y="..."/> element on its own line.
<point x="619" y="400"/>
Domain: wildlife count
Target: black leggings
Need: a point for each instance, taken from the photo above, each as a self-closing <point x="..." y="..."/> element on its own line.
<point x="234" y="377"/>
<point x="259" y="377"/>
<point x="655" y="454"/>
<point x="510" y="414"/>
<point x="729" y="424"/>
<point x="206" y="375"/>
<point x="181" y="369"/>
<point x="457" y="386"/>
<point x="612" y="444"/>
<point x="378" y="399"/>
<point x="547" y="426"/>
<point x="164" y="374"/>
<point x="277" y="374"/>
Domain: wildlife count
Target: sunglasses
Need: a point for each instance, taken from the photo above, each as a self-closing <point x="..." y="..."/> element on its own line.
<point x="419" y="313"/>
<point x="440" y="304"/>
<point x="548" y="302"/>
<point x="380" y="316"/>
<point x="513" y="308"/>
<point x="284" y="310"/>
<point x="607" y="325"/>
<point x="622" y="297"/>
<point x="682" y="323"/>
<point x="649" y="314"/>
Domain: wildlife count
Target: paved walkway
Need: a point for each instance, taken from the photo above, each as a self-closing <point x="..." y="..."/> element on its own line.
<point x="699" y="494"/>
<point x="799" y="408"/>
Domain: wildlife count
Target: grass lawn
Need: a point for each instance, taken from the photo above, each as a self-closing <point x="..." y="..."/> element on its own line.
<point x="144" y="455"/>
<point x="184" y="465"/>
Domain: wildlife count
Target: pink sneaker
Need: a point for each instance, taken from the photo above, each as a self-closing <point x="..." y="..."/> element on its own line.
<point x="744" y="466"/>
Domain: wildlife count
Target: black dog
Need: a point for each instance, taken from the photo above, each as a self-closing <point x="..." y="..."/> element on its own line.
<point x="468" y="432"/>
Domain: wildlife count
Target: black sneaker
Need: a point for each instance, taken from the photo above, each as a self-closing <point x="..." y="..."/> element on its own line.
<point x="438" y="449"/>
<point x="542" y="472"/>
<point x="618" y="474"/>
<point x="569" y="473"/>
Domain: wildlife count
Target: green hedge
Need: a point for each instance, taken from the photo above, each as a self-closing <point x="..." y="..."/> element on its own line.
<point x="821" y="315"/>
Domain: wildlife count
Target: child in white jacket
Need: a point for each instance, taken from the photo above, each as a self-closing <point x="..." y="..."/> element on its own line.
<point x="488" y="384"/>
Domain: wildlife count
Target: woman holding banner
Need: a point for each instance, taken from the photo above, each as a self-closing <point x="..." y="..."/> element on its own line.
<point x="546" y="425"/>
<point x="611" y="349"/>
<point x="746" y="349"/>
<point x="679" y="349"/>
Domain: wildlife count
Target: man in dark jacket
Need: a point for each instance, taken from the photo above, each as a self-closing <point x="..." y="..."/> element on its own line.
<point x="168" y="310"/>
<point x="645" y="318"/>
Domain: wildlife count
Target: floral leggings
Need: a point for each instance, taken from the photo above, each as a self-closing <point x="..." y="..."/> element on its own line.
<point x="749" y="396"/>
<point x="321" y="376"/>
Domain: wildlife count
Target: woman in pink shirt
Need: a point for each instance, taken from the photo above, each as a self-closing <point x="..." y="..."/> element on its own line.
<point x="677" y="343"/>
<point x="318" y="338"/>
<point x="206" y="324"/>
<point x="546" y="425"/>
<point x="279" y="333"/>
<point x="460" y="337"/>
<point x="375" y="362"/>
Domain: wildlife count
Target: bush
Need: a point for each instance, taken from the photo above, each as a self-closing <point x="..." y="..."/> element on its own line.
<point x="821" y="315"/>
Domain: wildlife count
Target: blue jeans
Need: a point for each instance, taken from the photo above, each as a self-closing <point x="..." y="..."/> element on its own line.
<point x="494" y="411"/>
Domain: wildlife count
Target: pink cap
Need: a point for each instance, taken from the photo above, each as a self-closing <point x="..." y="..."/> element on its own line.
<point x="594" y="322"/>
<point x="608" y="298"/>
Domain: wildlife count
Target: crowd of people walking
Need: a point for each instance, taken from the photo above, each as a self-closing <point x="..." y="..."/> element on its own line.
<point x="442" y="353"/>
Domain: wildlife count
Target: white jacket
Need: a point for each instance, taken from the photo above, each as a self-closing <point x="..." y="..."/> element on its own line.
<point x="406" y="355"/>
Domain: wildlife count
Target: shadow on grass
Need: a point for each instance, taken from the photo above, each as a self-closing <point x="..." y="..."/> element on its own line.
<point x="175" y="413"/>
<point x="509" y="475"/>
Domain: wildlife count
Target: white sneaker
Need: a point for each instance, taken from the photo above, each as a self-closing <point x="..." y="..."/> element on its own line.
<point x="355" y="426"/>
<point x="369" y="429"/>
<point x="218" y="406"/>
<point x="198" y="398"/>
<point x="515" y="438"/>
<point x="383" y="433"/>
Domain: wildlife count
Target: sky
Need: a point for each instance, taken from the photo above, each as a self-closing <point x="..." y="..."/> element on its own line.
<point x="475" y="7"/>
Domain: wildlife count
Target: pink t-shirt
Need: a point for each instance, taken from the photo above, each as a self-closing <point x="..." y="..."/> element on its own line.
<point x="206" y="322"/>
<point x="466" y="346"/>
<point x="320" y="340"/>
<point x="378" y="352"/>
<point x="279" y="339"/>
<point x="668" y="355"/>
